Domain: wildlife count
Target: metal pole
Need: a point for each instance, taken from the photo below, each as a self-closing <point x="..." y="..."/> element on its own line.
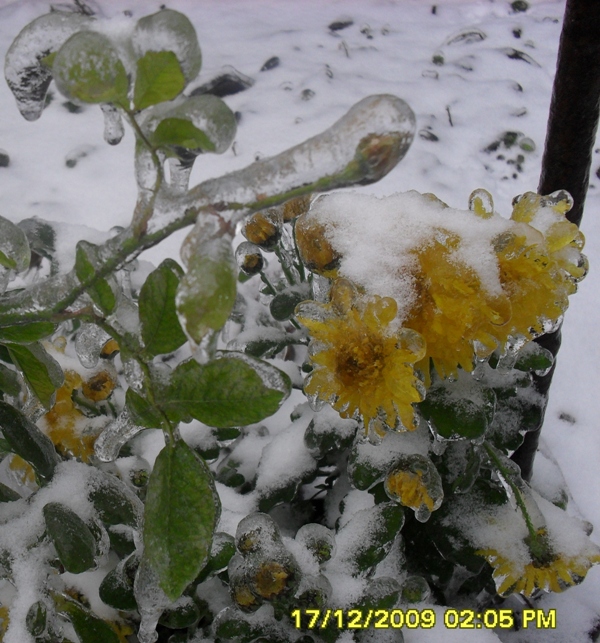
<point x="572" y="125"/>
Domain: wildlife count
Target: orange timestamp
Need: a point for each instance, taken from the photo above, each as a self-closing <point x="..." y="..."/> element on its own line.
<point x="425" y="618"/>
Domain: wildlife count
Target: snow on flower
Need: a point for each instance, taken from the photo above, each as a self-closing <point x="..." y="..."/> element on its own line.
<point x="545" y="571"/>
<point x="363" y="364"/>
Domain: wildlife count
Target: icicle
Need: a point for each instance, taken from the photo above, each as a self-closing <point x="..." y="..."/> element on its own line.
<point x="151" y="601"/>
<point x="88" y="344"/>
<point x="113" y="124"/>
<point x="180" y="174"/>
<point x="114" y="436"/>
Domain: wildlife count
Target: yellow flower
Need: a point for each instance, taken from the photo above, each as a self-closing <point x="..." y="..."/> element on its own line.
<point x="414" y="482"/>
<point x="362" y="364"/>
<point x="545" y="570"/>
<point x="452" y="310"/>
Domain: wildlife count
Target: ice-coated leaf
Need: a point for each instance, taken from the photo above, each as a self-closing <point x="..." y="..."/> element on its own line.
<point x="171" y="31"/>
<point x="234" y="390"/>
<point x="113" y="124"/>
<point x="26" y="74"/>
<point x="87" y="69"/>
<point x="159" y="78"/>
<point x="41" y="236"/>
<point x="28" y="333"/>
<point x="26" y="440"/>
<point x="206" y="294"/>
<point x="114" y="502"/>
<point x="100" y="291"/>
<point x="367" y="537"/>
<point x="533" y="357"/>
<point x="14" y="247"/>
<point x="7" y="494"/>
<point x="180" y="132"/>
<point x="459" y="409"/>
<point x="116" y="589"/>
<point x="71" y="537"/>
<point x="141" y="412"/>
<point x="161" y="330"/>
<point x="182" y="510"/>
<point x="9" y="381"/>
<point x="88" y="627"/>
<point x="41" y="371"/>
<point x="196" y="123"/>
<point x="36" y="618"/>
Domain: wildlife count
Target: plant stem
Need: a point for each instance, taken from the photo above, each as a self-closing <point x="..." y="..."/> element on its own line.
<point x="508" y="476"/>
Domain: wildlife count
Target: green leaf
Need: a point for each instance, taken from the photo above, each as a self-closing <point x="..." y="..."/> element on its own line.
<point x="459" y="409"/>
<point x="234" y="390"/>
<point x="180" y="132"/>
<point x="533" y="357"/>
<point x="159" y="78"/>
<point x="206" y="294"/>
<point x="161" y="330"/>
<point x="27" y="441"/>
<point x="28" y="333"/>
<point x="282" y="306"/>
<point x="88" y="627"/>
<point x="71" y="537"/>
<point x="36" y="618"/>
<point x="41" y="371"/>
<point x="100" y="291"/>
<point x="114" y="502"/>
<point x="14" y="247"/>
<point x="7" y="494"/>
<point x="9" y="381"/>
<point x="116" y="589"/>
<point x="87" y="68"/>
<point x="141" y="412"/>
<point x="182" y="510"/>
<point x="169" y="26"/>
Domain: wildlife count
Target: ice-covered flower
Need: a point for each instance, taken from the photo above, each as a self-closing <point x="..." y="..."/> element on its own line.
<point x="363" y="363"/>
<point x="545" y="569"/>
<point x="415" y="482"/>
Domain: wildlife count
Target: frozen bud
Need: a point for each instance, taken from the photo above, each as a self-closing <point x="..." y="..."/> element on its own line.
<point x="314" y="592"/>
<point x="99" y="386"/>
<point x="295" y="207"/>
<point x="239" y="585"/>
<point x="415" y="482"/>
<point x="256" y="532"/>
<point x="481" y="203"/>
<point x="264" y="228"/>
<point x="315" y="250"/>
<point x="319" y="540"/>
<point x="274" y="577"/>
<point x="415" y="590"/>
<point x="249" y="258"/>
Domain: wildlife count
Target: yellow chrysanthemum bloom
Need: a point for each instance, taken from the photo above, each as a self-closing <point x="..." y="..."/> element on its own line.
<point x="545" y="570"/>
<point x="414" y="482"/>
<point x="363" y="365"/>
<point x="64" y="423"/>
<point x="452" y="309"/>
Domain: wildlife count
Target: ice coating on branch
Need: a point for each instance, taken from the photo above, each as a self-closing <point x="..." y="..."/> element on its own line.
<point x="362" y="147"/>
<point x="88" y="343"/>
<point x="114" y="436"/>
<point x="113" y="124"/>
<point x="27" y="76"/>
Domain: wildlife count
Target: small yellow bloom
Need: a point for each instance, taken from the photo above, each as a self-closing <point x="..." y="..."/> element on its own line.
<point x="548" y="571"/>
<point x="362" y="365"/>
<point x="414" y="482"/>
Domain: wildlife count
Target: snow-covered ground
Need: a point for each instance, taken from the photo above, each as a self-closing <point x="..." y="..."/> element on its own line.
<point x="481" y="90"/>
